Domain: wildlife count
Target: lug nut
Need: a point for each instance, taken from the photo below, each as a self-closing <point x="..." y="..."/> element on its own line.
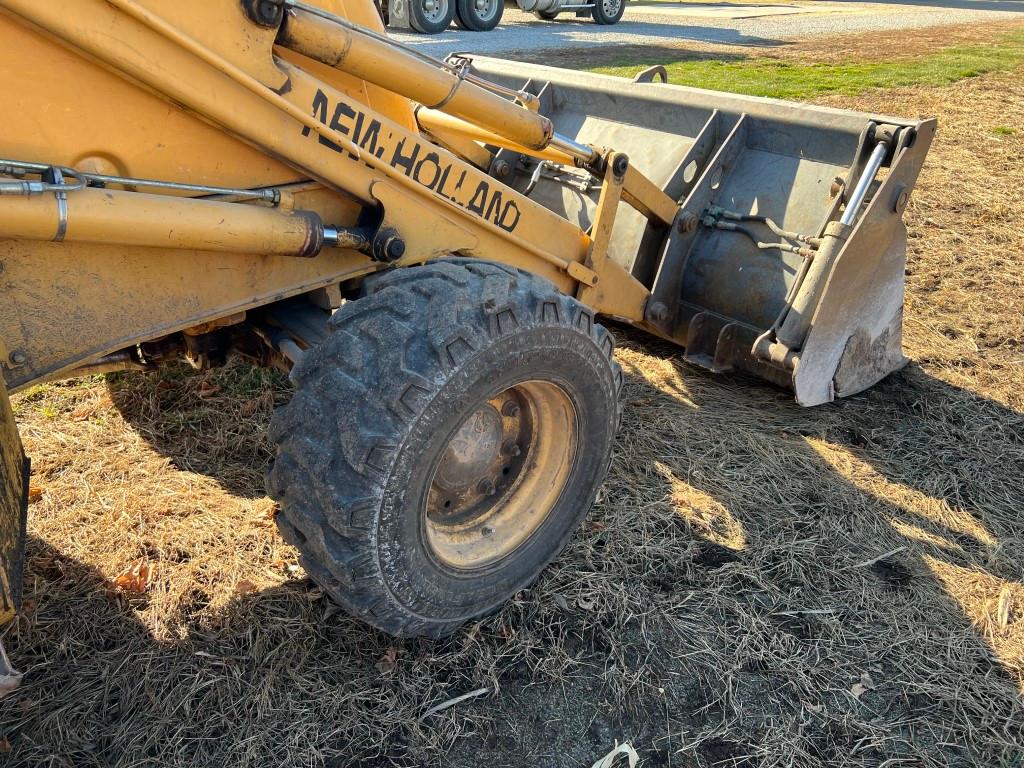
<point x="485" y="487"/>
<point x="18" y="358"/>
<point x="510" y="409"/>
<point x="486" y="530"/>
<point x="511" y="447"/>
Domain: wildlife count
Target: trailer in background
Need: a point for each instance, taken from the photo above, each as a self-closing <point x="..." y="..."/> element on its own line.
<point x="431" y="17"/>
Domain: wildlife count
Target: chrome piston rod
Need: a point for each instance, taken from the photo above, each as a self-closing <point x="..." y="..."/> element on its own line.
<point x="864" y="183"/>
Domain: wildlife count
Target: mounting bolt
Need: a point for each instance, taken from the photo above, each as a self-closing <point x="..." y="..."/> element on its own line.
<point x="510" y="409"/>
<point x="396" y="248"/>
<point x="901" y="200"/>
<point x="18" y="358"/>
<point x="655" y="312"/>
<point x="511" y="447"/>
<point x="619" y="165"/>
<point x="838" y="184"/>
<point x="485" y="486"/>
<point x="388" y="247"/>
<point x="686" y="223"/>
<point x="502" y="168"/>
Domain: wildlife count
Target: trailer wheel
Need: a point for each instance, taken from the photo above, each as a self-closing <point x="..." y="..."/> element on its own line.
<point x="546" y="15"/>
<point x="609" y="11"/>
<point x="444" y="442"/>
<point x="479" y="15"/>
<point x="431" y="17"/>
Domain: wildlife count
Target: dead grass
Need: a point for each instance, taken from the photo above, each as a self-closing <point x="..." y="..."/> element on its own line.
<point x="758" y="585"/>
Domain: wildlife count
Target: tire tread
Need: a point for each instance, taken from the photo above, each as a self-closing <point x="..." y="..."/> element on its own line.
<point x="337" y="437"/>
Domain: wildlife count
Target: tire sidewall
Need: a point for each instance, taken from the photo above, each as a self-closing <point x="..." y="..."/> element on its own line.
<point x="424" y="25"/>
<point x="414" y="576"/>
<point x="602" y="18"/>
<point x="467" y="17"/>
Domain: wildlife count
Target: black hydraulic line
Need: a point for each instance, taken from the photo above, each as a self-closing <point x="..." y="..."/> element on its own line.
<point x="806" y="252"/>
<point x="716" y="214"/>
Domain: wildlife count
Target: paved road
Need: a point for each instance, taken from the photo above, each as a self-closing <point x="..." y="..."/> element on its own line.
<point x="655" y="23"/>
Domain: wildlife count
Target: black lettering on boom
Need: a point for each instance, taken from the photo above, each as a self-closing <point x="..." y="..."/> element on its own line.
<point x="411" y="158"/>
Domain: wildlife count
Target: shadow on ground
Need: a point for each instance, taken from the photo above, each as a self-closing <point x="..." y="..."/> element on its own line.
<point x="757" y="585"/>
<point x="569" y="31"/>
<point x="214" y="424"/>
<point x="624" y="55"/>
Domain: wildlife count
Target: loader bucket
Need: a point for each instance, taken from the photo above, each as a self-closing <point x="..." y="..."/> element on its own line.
<point x="821" y="315"/>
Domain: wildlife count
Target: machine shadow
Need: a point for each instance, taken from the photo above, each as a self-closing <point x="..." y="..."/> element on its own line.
<point x="213" y="422"/>
<point x="100" y="690"/>
<point x="912" y="437"/>
<point x="891" y="518"/>
<point x="858" y="519"/>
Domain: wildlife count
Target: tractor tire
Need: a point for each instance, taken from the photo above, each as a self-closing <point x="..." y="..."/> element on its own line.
<point x="431" y="17"/>
<point x="609" y="11"/>
<point x="444" y="442"/>
<point x="479" y="15"/>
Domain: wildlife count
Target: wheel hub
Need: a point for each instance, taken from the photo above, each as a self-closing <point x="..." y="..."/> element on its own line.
<point x="435" y="10"/>
<point x="500" y="473"/>
<point x="472" y="452"/>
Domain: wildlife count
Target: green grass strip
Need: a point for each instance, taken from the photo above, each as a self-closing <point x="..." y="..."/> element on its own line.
<point x="792" y="80"/>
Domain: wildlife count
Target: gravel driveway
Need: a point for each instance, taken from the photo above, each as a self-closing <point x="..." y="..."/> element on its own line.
<point x="658" y="23"/>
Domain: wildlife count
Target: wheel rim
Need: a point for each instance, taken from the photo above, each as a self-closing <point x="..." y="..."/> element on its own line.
<point x="435" y="10"/>
<point x="500" y="474"/>
<point x="486" y="9"/>
<point x="611" y="7"/>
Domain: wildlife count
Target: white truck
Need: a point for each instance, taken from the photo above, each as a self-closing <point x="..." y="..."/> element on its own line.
<point x="430" y="17"/>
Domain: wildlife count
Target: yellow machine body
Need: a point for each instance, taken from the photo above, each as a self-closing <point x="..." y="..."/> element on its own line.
<point x="171" y="168"/>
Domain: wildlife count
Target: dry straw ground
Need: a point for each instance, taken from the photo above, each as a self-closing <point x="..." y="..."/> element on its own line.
<point x="758" y="585"/>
